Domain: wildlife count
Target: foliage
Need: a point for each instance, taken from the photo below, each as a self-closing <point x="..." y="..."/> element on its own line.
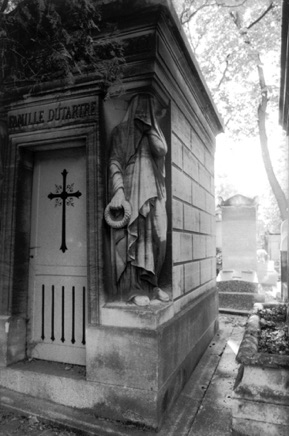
<point x="43" y="40"/>
<point x="228" y="56"/>
<point x="273" y="336"/>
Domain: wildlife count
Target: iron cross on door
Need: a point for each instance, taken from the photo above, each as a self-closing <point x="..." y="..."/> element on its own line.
<point x="66" y="195"/>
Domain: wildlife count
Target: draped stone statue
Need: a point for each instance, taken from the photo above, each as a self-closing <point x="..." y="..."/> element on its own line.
<point x="136" y="211"/>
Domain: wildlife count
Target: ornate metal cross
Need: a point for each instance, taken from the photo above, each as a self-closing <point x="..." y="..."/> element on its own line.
<point x="63" y="193"/>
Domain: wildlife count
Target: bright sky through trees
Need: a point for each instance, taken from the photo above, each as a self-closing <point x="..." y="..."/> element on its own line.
<point x="235" y="42"/>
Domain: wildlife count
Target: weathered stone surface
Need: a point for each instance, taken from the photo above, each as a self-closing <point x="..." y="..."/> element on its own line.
<point x="205" y="223"/>
<point x="178" y="281"/>
<point x="182" y="186"/>
<point x="199" y="246"/>
<point x="178" y="422"/>
<point x="190" y="165"/>
<point x="3" y="340"/>
<point x="181" y="127"/>
<point x="191" y="218"/>
<point x="212" y="421"/>
<point x="261" y="392"/>
<point x="237" y="286"/>
<point x="207" y="271"/>
<point x="237" y="300"/>
<point x="178" y="215"/>
<point x="199" y="196"/>
<point x="248" y="353"/>
<point x="121" y="356"/>
<point x="177" y="151"/>
<point x="261" y="412"/>
<point x="192" y="275"/>
<point x="245" y="427"/>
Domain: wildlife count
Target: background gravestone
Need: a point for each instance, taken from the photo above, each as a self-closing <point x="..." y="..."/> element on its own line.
<point x="237" y="282"/>
<point x="239" y="234"/>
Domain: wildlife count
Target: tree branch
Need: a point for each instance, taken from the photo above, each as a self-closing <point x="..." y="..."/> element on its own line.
<point x="227" y="121"/>
<point x="192" y="14"/>
<point x="236" y="18"/>
<point x="222" y="5"/>
<point x="224" y="72"/>
<point x="206" y="5"/>
<point x="271" y="6"/>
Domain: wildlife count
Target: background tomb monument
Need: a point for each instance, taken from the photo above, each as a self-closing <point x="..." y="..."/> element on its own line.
<point x="238" y="282"/>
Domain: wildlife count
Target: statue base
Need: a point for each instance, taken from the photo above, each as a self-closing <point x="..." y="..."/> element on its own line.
<point x="145" y="356"/>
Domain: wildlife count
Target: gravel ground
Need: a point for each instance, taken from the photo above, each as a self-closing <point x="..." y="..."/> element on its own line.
<point x="14" y="424"/>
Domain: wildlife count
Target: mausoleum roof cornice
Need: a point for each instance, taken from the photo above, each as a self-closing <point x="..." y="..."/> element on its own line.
<point x="151" y="12"/>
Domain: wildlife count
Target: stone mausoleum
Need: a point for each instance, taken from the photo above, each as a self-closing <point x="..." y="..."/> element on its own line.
<point x="107" y="243"/>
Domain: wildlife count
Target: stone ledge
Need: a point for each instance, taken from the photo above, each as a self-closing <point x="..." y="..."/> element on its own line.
<point x="121" y="314"/>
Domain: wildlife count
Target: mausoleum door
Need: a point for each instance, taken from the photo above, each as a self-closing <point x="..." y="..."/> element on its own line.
<point x="58" y="267"/>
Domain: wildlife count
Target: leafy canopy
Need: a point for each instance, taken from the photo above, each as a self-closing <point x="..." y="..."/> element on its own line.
<point x="44" y="40"/>
<point x="228" y="55"/>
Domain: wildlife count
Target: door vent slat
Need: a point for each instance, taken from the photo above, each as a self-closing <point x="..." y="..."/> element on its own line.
<point x="73" y="316"/>
<point x="62" y="315"/>
<point x="43" y="313"/>
<point x="52" y="312"/>
<point x="83" y="316"/>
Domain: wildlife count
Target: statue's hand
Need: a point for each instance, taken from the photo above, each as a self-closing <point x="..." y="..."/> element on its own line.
<point x="118" y="199"/>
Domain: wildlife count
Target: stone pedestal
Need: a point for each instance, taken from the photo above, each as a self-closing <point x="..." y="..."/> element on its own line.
<point x="238" y="290"/>
<point x="147" y="366"/>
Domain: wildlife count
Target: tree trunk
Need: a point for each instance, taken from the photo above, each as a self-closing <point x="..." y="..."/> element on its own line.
<point x="275" y="186"/>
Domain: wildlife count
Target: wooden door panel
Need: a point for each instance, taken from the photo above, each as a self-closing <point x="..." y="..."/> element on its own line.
<point x="58" y="276"/>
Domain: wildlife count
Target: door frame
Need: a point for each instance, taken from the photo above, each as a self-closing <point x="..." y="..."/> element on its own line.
<point x="22" y="148"/>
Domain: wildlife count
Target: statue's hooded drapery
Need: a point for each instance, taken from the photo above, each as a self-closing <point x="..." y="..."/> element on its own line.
<point x="137" y="169"/>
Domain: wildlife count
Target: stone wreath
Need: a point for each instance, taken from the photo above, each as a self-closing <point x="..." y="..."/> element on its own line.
<point x="113" y="220"/>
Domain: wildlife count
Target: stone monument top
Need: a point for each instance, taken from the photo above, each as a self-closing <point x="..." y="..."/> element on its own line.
<point x="239" y="200"/>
